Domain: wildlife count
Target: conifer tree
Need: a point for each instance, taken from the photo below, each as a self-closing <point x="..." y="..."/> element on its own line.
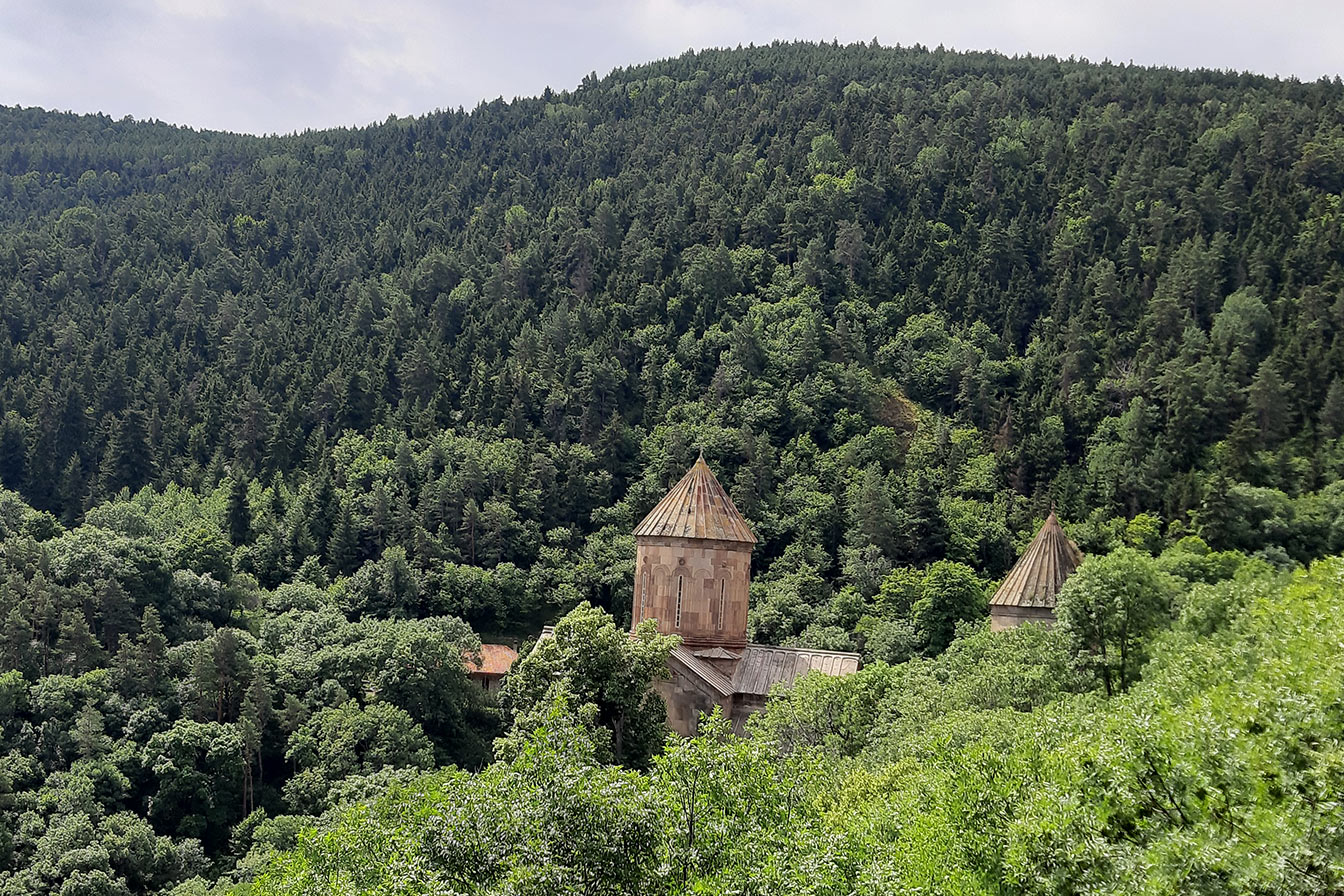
<point x="238" y="514"/>
<point x="1331" y="424"/>
<point x="89" y="734"/>
<point x="129" y="461"/>
<point x="76" y="649"/>
<point x="13" y="452"/>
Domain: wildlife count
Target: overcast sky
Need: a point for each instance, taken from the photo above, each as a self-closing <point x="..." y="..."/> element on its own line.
<point x="288" y="65"/>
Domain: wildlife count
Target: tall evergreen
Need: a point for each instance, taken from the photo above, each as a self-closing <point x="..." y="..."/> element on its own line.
<point x="129" y="459"/>
<point x="237" y="513"/>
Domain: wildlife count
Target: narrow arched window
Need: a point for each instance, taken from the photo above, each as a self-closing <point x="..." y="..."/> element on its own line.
<point x="723" y="585"/>
<point x="678" y="622"/>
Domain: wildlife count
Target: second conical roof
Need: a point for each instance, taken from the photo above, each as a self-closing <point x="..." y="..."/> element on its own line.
<point x="1035" y="580"/>
<point x="697" y="507"/>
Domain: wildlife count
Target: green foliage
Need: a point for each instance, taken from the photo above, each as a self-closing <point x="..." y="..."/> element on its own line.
<point x="378" y="341"/>
<point x="152" y="708"/>
<point x="950" y="593"/>
<point x="886" y="708"/>
<point x="919" y="611"/>
<point x="548" y="820"/>
<point x="1144" y="533"/>
<point x="385" y="587"/>
<point x="341" y="741"/>
<point x="1107" y="609"/>
<point x="274" y="411"/>
<point x="197" y="768"/>
<point x="980" y="771"/>
<point x="594" y="663"/>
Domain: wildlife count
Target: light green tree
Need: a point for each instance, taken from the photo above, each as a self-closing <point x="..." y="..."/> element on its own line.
<point x="591" y="658"/>
<point x="1109" y="607"/>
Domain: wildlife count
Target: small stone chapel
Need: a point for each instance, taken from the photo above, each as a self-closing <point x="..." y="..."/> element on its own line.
<point x="693" y="576"/>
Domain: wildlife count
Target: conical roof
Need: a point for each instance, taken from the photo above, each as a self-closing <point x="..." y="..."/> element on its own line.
<point x="697" y="507"/>
<point x="1035" y="580"/>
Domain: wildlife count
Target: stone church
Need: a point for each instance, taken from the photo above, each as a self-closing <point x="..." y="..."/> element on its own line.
<point x="693" y="576"/>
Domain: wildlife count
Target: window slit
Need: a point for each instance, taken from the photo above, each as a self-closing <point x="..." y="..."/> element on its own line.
<point x="678" y="623"/>
<point x="723" y="584"/>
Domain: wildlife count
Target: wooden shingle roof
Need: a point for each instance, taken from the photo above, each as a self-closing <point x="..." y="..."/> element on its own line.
<point x="721" y="683"/>
<point x="1035" y="580"/>
<point x="762" y="665"/>
<point x="697" y="507"/>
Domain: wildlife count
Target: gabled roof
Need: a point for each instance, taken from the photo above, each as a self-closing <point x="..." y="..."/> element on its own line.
<point x="763" y="666"/>
<point x="1035" y="580"/>
<point x="717" y="653"/>
<point x="721" y="683"/>
<point x="496" y="659"/>
<point x="697" y="507"/>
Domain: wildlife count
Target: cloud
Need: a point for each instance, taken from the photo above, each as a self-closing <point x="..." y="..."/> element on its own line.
<point x="259" y="66"/>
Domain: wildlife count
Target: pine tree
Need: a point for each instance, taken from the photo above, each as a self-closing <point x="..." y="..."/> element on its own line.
<point x="1214" y="517"/>
<point x="1332" y="411"/>
<point x="255" y="714"/>
<point x="469" y="529"/>
<point x="153" y="649"/>
<point x="922" y="528"/>
<point x="128" y="462"/>
<point x="89" y="734"/>
<point x="205" y="683"/>
<point x="16" y="639"/>
<point x="73" y="492"/>
<point x="238" y="514"/>
<point x="343" y="549"/>
<point x="77" y="650"/>
<point x="115" y="611"/>
<point x="1268" y="401"/>
<point x="871" y="512"/>
<point x="13" y="452"/>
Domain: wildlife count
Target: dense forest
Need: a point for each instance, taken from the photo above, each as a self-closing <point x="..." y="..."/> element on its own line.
<point x="288" y="424"/>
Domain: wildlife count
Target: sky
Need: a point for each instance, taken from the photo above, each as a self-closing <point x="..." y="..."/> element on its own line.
<point x="290" y="65"/>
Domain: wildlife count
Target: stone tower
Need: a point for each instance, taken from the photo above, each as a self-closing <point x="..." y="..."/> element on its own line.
<point x="693" y="564"/>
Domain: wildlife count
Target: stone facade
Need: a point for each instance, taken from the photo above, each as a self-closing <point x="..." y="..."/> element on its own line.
<point x="694" y="587"/>
<point x="738" y="682"/>
<point x="1005" y="617"/>
<point x="687" y="696"/>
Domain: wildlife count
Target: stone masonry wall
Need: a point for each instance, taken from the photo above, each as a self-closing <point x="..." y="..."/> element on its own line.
<point x="696" y="588"/>
<point x="687" y="698"/>
<point x="1003" y="617"/>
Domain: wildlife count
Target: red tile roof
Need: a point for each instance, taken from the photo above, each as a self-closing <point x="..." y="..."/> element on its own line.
<point x="496" y="659"/>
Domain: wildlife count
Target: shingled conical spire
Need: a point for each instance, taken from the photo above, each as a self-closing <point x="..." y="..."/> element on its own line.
<point x="696" y="507"/>
<point x="1036" y="578"/>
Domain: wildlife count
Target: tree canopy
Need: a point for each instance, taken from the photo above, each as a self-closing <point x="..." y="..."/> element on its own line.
<point x="287" y="424"/>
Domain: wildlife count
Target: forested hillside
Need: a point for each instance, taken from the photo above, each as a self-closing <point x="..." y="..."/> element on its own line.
<point x="1117" y="288"/>
<point x="285" y="422"/>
